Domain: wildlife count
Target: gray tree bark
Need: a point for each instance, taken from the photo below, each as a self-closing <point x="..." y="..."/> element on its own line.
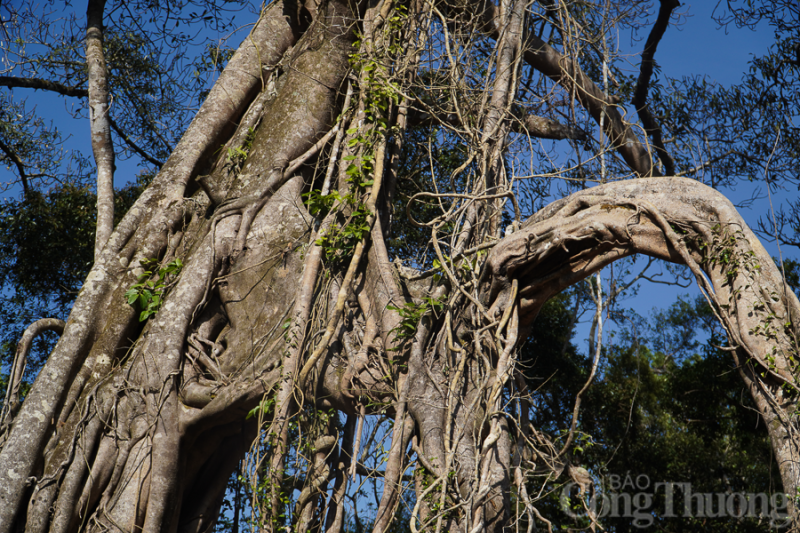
<point x="100" y="123"/>
<point x="137" y="425"/>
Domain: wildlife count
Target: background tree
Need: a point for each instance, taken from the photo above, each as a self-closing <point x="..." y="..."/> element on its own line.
<point x="246" y="301"/>
<point x="667" y="405"/>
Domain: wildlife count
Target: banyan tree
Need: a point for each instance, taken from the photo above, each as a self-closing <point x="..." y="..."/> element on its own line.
<point x="346" y="229"/>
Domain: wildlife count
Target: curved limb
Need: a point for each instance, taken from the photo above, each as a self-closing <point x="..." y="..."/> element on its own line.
<point x="11" y="403"/>
<point x="681" y="221"/>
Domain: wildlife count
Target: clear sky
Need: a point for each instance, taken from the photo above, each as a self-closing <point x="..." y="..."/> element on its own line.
<point x="698" y="47"/>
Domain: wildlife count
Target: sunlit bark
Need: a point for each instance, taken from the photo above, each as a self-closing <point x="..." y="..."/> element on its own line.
<point x="100" y="123"/>
<point x="137" y="425"/>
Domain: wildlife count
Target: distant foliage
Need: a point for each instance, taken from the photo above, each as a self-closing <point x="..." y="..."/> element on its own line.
<point x="46" y="252"/>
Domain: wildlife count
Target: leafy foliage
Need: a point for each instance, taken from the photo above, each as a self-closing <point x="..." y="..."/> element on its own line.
<point x="148" y="293"/>
<point x="411" y="313"/>
<point x="339" y="241"/>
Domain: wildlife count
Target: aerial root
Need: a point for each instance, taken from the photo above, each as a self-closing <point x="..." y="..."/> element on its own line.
<point x="346" y="286"/>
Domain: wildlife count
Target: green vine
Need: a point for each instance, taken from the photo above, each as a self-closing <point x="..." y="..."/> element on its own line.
<point x="265" y="407"/>
<point x="379" y="94"/>
<point x="340" y="240"/>
<point x="723" y="252"/>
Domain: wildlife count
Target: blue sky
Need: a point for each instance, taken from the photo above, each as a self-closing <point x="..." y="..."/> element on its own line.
<point x="698" y="47"/>
<point x="695" y="47"/>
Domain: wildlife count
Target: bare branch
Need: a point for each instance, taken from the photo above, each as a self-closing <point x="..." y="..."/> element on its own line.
<point x="135" y="147"/>
<point x="45" y="85"/>
<point x="568" y="74"/>
<point x="651" y="126"/>
<point x="528" y="124"/>
<point x="23" y="176"/>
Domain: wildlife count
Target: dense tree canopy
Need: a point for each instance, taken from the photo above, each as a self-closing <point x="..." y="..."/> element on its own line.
<point x="344" y="289"/>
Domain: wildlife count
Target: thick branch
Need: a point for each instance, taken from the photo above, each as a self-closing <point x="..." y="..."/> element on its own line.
<point x="639" y="101"/>
<point x="102" y="144"/>
<point x="528" y="124"/>
<point x="45" y="85"/>
<point x="568" y="74"/>
<point x="545" y="128"/>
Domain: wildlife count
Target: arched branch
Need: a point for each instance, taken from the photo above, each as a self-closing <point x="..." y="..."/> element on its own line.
<point x="682" y="221"/>
<point x="11" y="403"/>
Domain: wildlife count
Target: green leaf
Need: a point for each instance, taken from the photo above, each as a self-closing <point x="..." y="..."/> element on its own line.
<point x="131" y="295"/>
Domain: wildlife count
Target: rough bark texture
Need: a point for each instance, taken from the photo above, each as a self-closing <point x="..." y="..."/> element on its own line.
<point x="682" y="221"/>
<point x="137" y="425"/>
<point x="140" y="235"/>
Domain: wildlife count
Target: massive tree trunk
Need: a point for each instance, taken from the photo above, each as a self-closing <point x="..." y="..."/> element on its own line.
<point x="289" y="303"/>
